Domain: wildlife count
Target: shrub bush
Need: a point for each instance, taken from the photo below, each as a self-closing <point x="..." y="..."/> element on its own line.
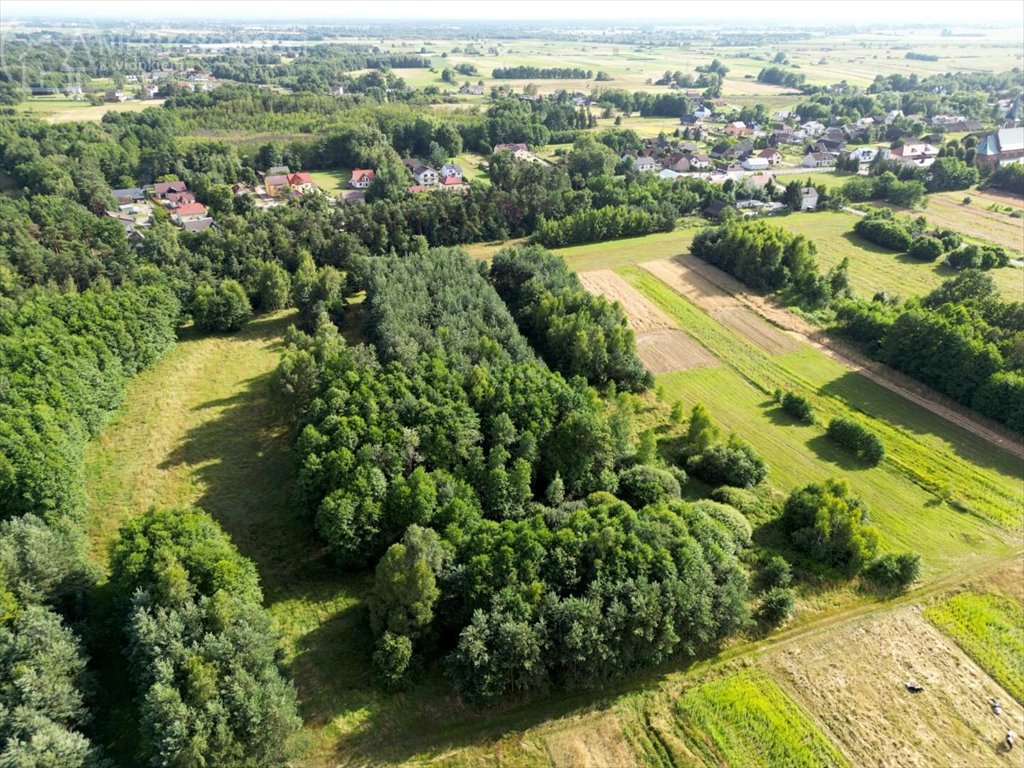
<point x="776" y="606"/>
<point x="642" y="485"/>
<point x="733" y="463"/>
<point x="797" y="406"/>
<point x="895" y="572"/>
<point x="925" y="248"/>
<point x="856" y="438"/>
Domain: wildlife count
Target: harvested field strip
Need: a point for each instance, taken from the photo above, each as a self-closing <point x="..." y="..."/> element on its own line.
<point x="934" y="454"/>
<point x="990" y="629"/>
<point x="745" y="719"/>
<point x="752" y="327"/>
<point x="642" y="314"/>
<point x="670" y="350"/>
<point x="854" y="678"/>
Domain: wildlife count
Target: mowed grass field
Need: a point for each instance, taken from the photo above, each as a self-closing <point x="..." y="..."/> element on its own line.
<point x="977" y="220"/>
<point x="990" y="629"/>
<point x="873" y="268"/>
<point x="55" y="110"/>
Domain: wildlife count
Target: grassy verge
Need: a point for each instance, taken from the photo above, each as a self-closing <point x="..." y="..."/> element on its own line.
<point x="990" y="629"/>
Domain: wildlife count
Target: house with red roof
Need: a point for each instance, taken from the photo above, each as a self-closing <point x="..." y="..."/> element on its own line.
<point x="188" y="212"/>
<point x="301" y="183"/>
<point x="362" y="178"/>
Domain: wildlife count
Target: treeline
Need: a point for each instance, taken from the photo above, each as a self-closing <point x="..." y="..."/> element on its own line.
<point x="598" y="224"/>
<point x="768" y="258"/>
<point x="524" y="72"/>
<point x="461" y="467"/>
<point x="961" y="339"/>
<point x="576" y="333"/>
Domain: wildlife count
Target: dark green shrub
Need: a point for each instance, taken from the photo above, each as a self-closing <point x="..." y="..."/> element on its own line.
<point x="895" y="572"/>
<point x="776" y="606"/>
<point x="857" y="439"/>
<point x="642" y="485"/>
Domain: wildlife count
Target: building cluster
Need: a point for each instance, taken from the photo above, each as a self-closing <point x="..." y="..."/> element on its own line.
<point x="424" y="178"/>
<point x="136" y="205"/>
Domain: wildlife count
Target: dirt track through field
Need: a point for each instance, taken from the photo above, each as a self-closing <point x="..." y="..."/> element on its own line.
<point x="853" y="680"/>
<point x="662" y="347"/>
<point x="710" y="288"/>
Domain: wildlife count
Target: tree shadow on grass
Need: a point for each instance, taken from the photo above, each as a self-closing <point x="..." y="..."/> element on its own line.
<point x="828" y="451"/>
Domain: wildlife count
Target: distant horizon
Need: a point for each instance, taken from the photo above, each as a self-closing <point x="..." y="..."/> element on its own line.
<point x="867" y="13"/>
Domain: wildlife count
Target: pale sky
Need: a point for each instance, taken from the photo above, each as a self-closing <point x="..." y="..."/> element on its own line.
<point x="862" y="12"/>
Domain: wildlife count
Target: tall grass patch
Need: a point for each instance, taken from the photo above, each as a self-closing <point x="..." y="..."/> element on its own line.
<point x="746" y="719"/>
<point x="990" y="629"/>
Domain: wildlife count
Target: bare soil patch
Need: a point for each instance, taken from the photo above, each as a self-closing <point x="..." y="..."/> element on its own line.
<point x="641" y="312"/>
<point x="853" y="680"/>
<point x="670" y="350"/>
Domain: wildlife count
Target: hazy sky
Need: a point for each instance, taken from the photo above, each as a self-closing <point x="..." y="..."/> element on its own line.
<point x="1003" y="12"/>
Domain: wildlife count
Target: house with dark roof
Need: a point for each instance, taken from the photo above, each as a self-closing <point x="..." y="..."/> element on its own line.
<point x="162" y="188"/>
<point x="772" y="155"/>
<point x="716" y="209"/>
<point x="818" y="160"/>
<point x="276" y="184"/>
<point x="128" y="195"/>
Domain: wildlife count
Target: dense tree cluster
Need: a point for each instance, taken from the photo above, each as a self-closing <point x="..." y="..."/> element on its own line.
<point x="960" y="339"/>
<point x="429" y="459"/>
<point x="608" y="223"/>
<point x="907" y="193"/>
<point x="576" y="333"/>
<point x="781" y="76"/>
<point x="768" y="258"/>
<point x="201" y="650"/>
<point x="884" y="228"/>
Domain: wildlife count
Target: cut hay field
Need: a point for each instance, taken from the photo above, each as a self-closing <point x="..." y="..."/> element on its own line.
<point x="977" y="220"/>
<point x="924" y="453"/>
<point x="853" y="678"/>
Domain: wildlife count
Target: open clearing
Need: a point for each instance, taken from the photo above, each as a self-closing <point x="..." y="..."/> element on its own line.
<point x="854" y="679"/>
<point x="946" y="209"/>
<point x="69" y="110"/>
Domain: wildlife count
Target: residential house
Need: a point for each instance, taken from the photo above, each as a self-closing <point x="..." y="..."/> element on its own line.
<point x="164" y="188"/>
<point x="808" y="198"/>
<point x="198" y="225"/>
<point x="691" y="120"/>
<point x="124" y="220"/>
<point x="150" y="90"/>
<point x="717" y="209"/>
<point x="818" y="160"/>
<point x="756" y="164"/>
<point x="451" y="170"/>
<point x="700" y="162"/>
<point x="301" y="183"/>
<point x="738" y="128"/>
<point x="472" y="90"/>
<point x="645" y="164"/>
<point x="412" y="163"/>
<point x="919" y="154"/>
<point x="338" y="90"/>
<point x="128" y="195"/>
<point x="759" y="181"/>
<point x="352" y="196"/>
<point x="1004" y="146"/>
<point x="189" y="212"/>
<point x="892" y="116"/>
<point x="784" y="137"/>
<point x="361" y="178"/>
<point x="677" y="162"/>
<point x="453" y="183"/>
<point x="812" y="128"/>
<point x="415" y="189"/>
<point x="278" y="170"/>
<point x="118" y="96"/>
<point x="174" y="199"/>
<point x="73" y="90"/>
<point x="773" y="156"/>
<point x="863" y="155"/>
<point x="831" y="146"/>
<point x="425" y="175"/>
<point x="276" y="184"/>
